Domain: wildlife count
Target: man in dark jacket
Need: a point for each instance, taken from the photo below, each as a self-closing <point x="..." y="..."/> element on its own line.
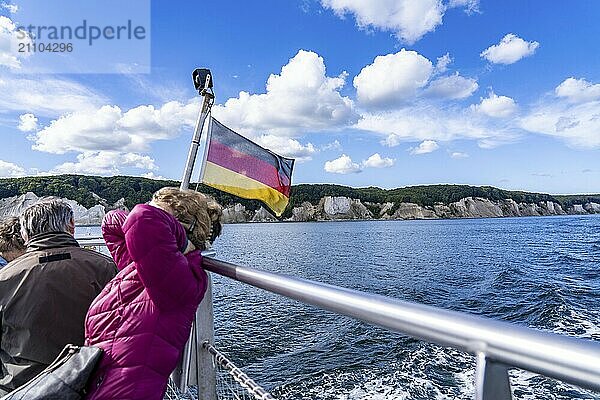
<point x="45" y="293"/>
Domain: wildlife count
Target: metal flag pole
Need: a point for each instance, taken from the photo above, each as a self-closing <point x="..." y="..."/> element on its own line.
<point x="199" y="369"/>
<point x="205" y="155"/>
<point x="204" y="83"/>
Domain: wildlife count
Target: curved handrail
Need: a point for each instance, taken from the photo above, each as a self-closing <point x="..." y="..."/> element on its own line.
<point x="572" y="360"/>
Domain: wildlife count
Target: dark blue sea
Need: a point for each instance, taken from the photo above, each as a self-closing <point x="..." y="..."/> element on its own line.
<point x="542" y="273"/>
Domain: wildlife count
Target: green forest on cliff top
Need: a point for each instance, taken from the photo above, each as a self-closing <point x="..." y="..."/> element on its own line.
<point x="139" y="190"/>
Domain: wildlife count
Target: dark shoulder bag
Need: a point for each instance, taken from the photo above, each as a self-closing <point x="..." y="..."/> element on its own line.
<point x="64" y="379"/>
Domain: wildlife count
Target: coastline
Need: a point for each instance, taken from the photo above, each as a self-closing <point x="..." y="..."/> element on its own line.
<point x="399" y="220"/>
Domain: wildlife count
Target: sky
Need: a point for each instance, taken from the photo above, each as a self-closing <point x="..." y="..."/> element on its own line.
<point x="386" y="93"/>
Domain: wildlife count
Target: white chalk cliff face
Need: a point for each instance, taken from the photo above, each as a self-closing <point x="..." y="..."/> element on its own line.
<point x="262" y="215"/>
<point x="306" y="212"/>
<point x="334" y="208"/>
<point x="336" y="205"/>
<point x="235" y="214"/>
<point x="343" y="208"/>
<point x="87" y="216"/>
<point x="13" y="206"/>
<point x="470" y="207"/>
<point x="592" y="208"/>
<point x="413" y="211"/>
<point x="339" y="208"/>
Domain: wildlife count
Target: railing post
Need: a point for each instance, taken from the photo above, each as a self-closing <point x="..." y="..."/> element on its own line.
<point x="491" y="380"/>
<point x="205" y="373"/>
<point x="196" y="366"/>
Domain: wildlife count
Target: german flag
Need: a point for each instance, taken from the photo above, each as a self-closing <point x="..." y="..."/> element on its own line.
<point x="239" y="166"/>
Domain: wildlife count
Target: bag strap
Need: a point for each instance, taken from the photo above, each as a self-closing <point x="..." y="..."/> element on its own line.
<point x="66" y="353"/>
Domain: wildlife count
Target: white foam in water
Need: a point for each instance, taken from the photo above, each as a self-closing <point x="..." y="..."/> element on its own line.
<point x="371" y="387"/>
<point x="577" y="325"/>
<point x="382" y="388"/>
<point x="410" y="381"/>
<point x="466" y="381"/>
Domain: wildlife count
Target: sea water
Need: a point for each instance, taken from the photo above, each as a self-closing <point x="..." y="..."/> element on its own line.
<point x="541" y="272"/>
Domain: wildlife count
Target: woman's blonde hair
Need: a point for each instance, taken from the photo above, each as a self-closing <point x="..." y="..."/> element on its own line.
<point x="200" y="211"/>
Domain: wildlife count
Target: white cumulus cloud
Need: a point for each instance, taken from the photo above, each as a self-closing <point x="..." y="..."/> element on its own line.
<point x="470" y="6"/>
<point x="46" y="96"/>
<point x="442" y="63"/>
<point x="152" y="175"/>
<point x="574" y="116"/>
<point x="458" y="155"/>
<point x="409" y="20"/>
<point x="109" y="128"/>
<point x="376" y="161"/>
<point x="10" y="170"/>
<point x="302" y="97"/>
<point x="27" y="123"/>
<point x="11" y="8"/>
<point x="578" y="90"/>
<point x="335" y="145"/>
<point x="496" y="106"/>
<point x="392" y="79"/>
<point x="510" y="50"/>
<point x="426" y="121"/>
<point x="287" y="147"/>
<point x="10" y="37"/>
<point x="452" y="87"/>
<point x="105" y="163"/>
<point x="426" y="146"/>
<point x="342" y="165"/>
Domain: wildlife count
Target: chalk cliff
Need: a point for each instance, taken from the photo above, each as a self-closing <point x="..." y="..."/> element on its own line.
<point x="262" y="215"/>
<point x="13" y="206"/>
<point x="234" y="214"/>
<point x="306" y="212"/>
<point x="592" y="208"/>
<point x="336" y="208"/>
<point x="331" y="208"/>
<point x="414" y="211"/>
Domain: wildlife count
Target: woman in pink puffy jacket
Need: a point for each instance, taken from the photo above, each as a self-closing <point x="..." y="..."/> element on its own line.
<point x="143" y="318"/>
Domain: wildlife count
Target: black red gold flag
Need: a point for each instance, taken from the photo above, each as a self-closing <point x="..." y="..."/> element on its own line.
<point x="236" y="165"/>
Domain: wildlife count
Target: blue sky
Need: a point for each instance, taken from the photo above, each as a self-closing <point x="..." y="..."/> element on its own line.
<point x="385" y="93"/>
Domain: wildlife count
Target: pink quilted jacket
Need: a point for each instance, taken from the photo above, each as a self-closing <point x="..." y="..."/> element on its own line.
<point x="142" y="318"/>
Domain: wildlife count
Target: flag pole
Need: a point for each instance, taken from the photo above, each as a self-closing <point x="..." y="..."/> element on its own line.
<point x="207" y="102"/>
<point x="200" y="369"/>
<point x="205" y="154"/>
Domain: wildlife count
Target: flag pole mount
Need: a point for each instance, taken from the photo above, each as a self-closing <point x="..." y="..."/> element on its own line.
<point x="203" y="82"/>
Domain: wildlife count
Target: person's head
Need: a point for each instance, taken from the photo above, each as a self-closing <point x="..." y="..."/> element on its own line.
<point x="50" y="214"/>
<point x="12" y="244"/>
<point x="198" y="213"/>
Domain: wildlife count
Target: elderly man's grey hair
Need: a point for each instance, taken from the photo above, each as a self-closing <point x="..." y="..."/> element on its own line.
<point x="50" y="214"/>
